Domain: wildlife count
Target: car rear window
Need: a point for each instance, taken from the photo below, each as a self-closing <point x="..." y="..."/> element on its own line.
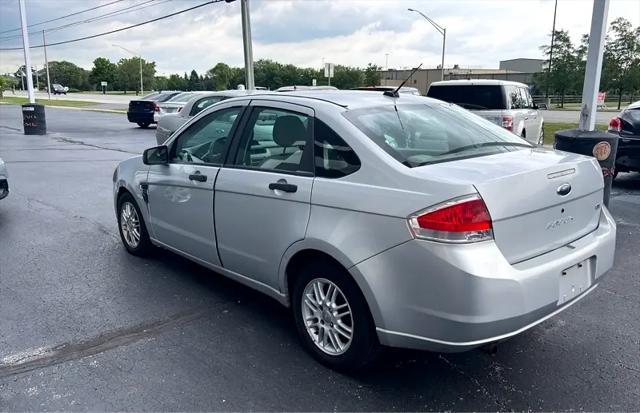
<point x="182" y="97"/>
<point x="474" y="97"/>
<point x="417" y="135"/>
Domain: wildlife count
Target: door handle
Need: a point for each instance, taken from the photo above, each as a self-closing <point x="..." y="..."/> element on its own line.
<point x="283" y="186"/>
<point x="198" y="177"/>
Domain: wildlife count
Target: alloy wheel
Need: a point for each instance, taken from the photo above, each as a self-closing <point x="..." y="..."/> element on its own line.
<point x="130" y="224"/>
<point x="327" y="316"/>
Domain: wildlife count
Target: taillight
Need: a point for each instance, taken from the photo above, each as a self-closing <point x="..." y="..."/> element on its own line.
<point x="507" y="122"/>
<point x="615" y="125"/>
<point x="459" y="220"/>
<point x="156" y="107"/>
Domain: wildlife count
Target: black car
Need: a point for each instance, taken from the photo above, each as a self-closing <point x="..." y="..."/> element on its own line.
<point x="141" y="111"/>
<point x="627" y="126"/>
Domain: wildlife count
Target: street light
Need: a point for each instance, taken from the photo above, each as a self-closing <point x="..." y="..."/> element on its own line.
<point x="139" y="56"/>
<point x="440" y="30"/>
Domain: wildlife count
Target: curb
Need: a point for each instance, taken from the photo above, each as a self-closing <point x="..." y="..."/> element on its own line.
<point x="121" y="111"/>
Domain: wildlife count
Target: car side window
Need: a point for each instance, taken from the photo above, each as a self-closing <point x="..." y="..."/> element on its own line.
<point x="276" y="140"/>
<point x="524" y="97"/>
<point x="333" y="157"/>
<point x="514" y="98"/>
<point x="204" y="103"/>
<point x="206" y="141"/>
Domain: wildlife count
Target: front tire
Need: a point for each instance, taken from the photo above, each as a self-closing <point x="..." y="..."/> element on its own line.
<point x="133" y="231"/>
<point x="332" y="317"/>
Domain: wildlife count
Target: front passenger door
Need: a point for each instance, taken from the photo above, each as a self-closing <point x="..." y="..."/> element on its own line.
<point x="180" y="194"/>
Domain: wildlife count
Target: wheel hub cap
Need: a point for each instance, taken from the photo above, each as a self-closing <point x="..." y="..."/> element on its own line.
<point x="130" y="224"/>
<point x="327" y="316"/>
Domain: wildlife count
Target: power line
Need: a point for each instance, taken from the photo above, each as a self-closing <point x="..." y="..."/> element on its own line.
<point x="114" y="13"/>
<point x="65" y="16"/>
<point x="118" y="30"/>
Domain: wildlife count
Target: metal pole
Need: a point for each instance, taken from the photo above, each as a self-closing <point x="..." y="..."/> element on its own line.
<point x="594" y="65"/>
<point x="46" y="62"/>
<point x="444" y="40"/>
<point x="27" y="52"/>
<point x="37" y="78"/>
<point x="553" y="35"/>
<point x="141" y="84"/>
<point x="386" y="61"/>
<point x="248" y="49"/>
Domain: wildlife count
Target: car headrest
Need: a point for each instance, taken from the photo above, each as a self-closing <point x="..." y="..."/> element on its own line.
<point x="287" y="130"/>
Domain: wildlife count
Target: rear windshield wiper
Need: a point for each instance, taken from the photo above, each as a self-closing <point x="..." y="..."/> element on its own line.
<point x="484" y="144"/>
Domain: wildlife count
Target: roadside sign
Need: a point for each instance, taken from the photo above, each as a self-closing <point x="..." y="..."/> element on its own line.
<point x="314" y="82"/>
<point x="103" y="83"/>
<point x="328" y="70"/>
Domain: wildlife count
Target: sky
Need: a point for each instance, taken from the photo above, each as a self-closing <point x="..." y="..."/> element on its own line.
<point x="307" y="33"/>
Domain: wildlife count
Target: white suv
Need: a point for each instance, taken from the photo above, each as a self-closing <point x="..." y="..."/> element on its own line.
<point x="508" y="104"/>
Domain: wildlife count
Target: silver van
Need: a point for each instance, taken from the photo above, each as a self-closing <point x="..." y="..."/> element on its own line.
<point x="505" y="103"/>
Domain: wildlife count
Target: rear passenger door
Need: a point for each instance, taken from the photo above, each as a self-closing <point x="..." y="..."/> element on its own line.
<point x="263" y="193"/>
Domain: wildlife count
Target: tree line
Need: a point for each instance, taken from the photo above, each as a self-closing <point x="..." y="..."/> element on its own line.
<point x="620" y="67"/>
<point x="125" y="75"/>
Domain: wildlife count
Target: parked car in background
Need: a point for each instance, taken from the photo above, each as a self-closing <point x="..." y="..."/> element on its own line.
<point x="174" y="105"/>
<point x="627" y="126"/>
<point x="142" y="111"/>
<point x="4" y="180"/>
<point x="406" y="222"/>
<point x="58" y="89"/>
<point x="507" y="104"/>
<point x="404" y="89"/>
<point x="198" y="102"/>
<point x="303" y="87"/>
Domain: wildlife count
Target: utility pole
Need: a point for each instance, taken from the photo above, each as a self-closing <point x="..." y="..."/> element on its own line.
<point x="46" y="62"/>
<point x="37" y="78"/>
<point x="553" y="35"/>
<point x="386" y="61"/>
<point x="594" y="65"/>
<point x="27" y="52"/>
<point x="248" y="48"/>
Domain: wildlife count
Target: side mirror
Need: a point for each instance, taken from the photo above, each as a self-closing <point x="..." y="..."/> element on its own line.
<point x="158" y="155"/>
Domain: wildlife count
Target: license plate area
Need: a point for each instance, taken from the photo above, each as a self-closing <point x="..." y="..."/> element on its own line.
<point x="575" y="280"/>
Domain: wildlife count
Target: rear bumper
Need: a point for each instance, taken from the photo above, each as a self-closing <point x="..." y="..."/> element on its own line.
<point x="4" y="188"/>
<point x="444" y="297"/>
<point x="142" y="117"/>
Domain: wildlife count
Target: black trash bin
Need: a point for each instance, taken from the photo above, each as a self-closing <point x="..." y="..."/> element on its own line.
<point x="601" y="145"/>
<point x="33" y="119"/>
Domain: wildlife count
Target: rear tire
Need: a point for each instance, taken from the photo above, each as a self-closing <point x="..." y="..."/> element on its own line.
<point x="144" y="125"/>
<point x="133" y="231"/>
<point x="332" y="317"/>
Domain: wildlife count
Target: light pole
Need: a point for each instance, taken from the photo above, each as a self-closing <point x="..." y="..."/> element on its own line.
<point x="46" y="62"/>
<point x="440" y="30"/>
<point x="27" y="53"/>
<point x="248" y="48"/>
<point x="139" y="56"/>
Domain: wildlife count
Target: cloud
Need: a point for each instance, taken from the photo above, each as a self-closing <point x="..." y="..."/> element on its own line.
<point x="304" y="32"/>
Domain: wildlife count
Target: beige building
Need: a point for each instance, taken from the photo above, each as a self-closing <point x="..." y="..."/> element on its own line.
<point x="424" y="77"/>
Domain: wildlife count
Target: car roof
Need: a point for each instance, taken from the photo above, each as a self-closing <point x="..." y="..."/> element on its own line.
<point x="348" y="99"/>
<point x="477" y="82"/>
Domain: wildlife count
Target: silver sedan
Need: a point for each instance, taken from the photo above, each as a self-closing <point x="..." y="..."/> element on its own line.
<point x="380" y="220"/>
<point x="198" y="101"/>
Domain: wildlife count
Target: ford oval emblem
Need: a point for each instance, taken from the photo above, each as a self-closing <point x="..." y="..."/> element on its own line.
<point x="563" y="189"/>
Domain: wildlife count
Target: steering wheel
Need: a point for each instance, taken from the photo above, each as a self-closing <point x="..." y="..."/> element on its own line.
<point x="216" y="150"/>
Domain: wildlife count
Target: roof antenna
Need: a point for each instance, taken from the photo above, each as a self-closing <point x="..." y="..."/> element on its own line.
<point x="394" y="94"/>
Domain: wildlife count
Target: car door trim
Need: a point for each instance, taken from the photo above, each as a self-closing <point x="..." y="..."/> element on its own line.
<point x="250" y="282"/>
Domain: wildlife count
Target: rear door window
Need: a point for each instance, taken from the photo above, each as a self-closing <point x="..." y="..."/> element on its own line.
<point x="204" y="103"/>
<point x="473" y="97"/>
<point x="334" y="158"/>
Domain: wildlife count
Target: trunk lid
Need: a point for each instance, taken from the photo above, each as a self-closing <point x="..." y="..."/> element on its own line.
<point x="538" y="199"/>
<point x="141" y="106"/>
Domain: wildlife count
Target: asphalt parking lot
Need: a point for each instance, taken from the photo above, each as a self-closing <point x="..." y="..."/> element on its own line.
<point x="86" y="326"/>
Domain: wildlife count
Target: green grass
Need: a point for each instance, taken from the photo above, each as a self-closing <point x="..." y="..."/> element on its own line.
<point x="69" y="103"/>
<point x="550" y="128"/>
